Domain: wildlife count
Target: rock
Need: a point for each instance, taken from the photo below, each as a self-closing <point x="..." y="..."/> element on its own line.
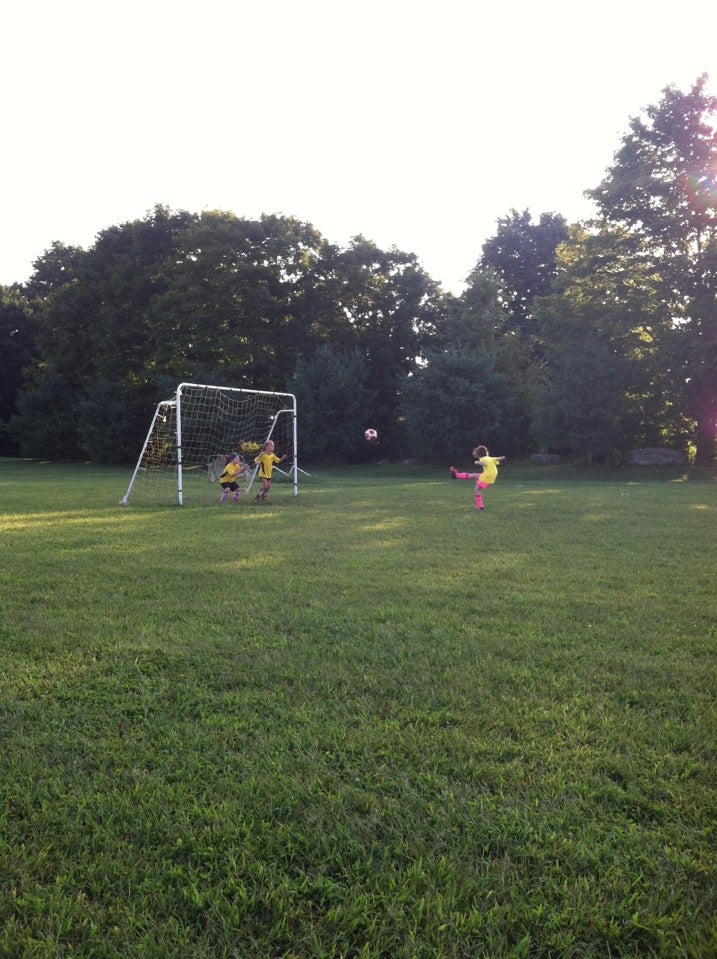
<point x="652" y="456"/>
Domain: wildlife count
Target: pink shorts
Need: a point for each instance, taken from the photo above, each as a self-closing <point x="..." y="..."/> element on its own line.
<point x="481" y="485"/>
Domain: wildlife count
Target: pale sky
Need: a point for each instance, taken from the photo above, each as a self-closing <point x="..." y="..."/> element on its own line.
<point x="416" y="123"/>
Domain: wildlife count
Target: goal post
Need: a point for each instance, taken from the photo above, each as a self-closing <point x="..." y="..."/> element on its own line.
<point x="189" y="436"/>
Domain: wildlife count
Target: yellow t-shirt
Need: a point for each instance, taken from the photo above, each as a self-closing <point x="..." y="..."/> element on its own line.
<point x="490" y="469"/>
<point x="231" y="471"/>
<point x="266" y="463"/>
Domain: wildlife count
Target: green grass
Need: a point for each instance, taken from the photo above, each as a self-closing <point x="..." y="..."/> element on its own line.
<point x="364" y="722"/>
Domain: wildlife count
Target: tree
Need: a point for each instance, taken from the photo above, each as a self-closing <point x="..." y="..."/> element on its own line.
<point x="477" y="324"/>
<point x="209" y="298"/>
<point x="44" y="423"/>
<point x="517" y="267"/>
<point x="522" y="253"/>
<point x="94" y="325"/>
<point x="108" y="415"/>
<point x="476" y="320"/>
<point x="335" y="404"/>
<point x="662" y="191"/>
<point x="233" y="300"/>
<point x="603" y="384"/>
<point x="17" y="344"/>
<point x="459" y="398"/>
<point x="391" y="309"/>
<point x="56" y="267"/>
<point x="584" y="404"/>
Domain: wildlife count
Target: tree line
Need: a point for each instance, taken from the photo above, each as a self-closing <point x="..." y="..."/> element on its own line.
<point x="586" y="339"/>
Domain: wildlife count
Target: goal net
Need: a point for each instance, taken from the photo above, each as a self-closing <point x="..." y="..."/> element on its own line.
<point x="191" y="435"/>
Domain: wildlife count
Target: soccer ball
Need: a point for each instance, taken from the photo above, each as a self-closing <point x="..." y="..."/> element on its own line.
<point x="371" y="436"/>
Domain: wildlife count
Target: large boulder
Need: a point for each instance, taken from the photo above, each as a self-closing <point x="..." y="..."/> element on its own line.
<point x="652" y="456"/>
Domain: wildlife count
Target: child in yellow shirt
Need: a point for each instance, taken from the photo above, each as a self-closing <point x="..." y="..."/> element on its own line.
<point x="228" y="479"/>
<point x="487" y="476"/>
<point x="266" y="460"/>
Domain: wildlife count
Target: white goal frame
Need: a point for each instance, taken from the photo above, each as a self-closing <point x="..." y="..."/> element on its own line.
<point x="165" y="453"/>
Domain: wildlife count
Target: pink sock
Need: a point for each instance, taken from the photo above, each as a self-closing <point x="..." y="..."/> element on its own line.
<point x="462" y="476"/>
<point x="479" y="501"/>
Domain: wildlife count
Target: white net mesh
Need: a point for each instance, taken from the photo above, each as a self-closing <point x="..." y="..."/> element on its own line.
<point x="213" y="422"/>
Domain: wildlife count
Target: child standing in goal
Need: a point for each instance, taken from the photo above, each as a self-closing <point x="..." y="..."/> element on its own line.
<point x="265" y="461"/>
<point x="487" y="476"/>
<point x="228" y="479"/>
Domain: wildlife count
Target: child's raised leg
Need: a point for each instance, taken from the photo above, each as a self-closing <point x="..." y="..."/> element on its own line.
<point x="454" y="474"/>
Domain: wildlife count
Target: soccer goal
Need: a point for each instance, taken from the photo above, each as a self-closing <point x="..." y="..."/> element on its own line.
<point x="190" y="435"/>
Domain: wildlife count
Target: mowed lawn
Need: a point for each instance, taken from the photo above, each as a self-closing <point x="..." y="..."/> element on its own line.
<point x="367" y="721"/>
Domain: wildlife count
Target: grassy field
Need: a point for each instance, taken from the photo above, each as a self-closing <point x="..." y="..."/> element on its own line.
<point x="367" y="721"/>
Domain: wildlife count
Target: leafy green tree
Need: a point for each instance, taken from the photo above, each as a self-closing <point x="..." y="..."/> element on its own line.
<point x="475" y="320"/>
<point x="17" y="344"/>
<point x="458" y="399"/>
<point x="93" y="325"/>
<point x="661" y="190"/>
<point x="335" y="405"/>
<point x="391" y="309"/>
<point x="233" y="303"/>
<point x="210" y="298"/>
<point x="478" y="323"/>
<point x="584" y="403"/>
<point x="107" y="418"/>
<point x="523" y="254"/>
<point x="55" y="268"/>
<point x="600" y="361"/>
<point x="44" y="424"/>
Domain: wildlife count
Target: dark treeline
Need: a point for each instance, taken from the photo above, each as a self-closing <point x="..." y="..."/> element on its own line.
<point x="586" y="339"/>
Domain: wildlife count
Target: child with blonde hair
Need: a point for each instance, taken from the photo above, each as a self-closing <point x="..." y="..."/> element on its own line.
<point x="487" y="476"/>
<point x="265" y="461"/>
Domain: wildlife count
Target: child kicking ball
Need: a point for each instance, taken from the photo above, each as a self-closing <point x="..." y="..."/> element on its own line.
<point x="487" y="476"/>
